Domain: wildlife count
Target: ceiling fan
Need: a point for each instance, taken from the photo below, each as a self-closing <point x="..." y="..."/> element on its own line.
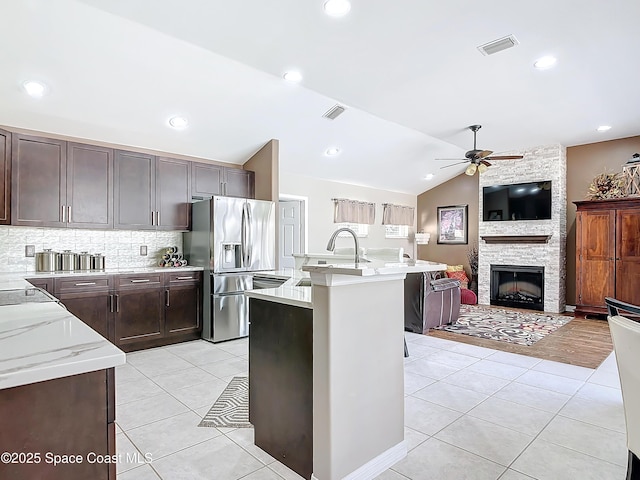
<point x="479" y="159"/>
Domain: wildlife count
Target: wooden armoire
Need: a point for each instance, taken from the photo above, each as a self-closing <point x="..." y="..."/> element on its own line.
<point x="607" y="253"/>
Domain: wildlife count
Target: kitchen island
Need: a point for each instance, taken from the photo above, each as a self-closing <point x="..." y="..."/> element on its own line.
<point x="56" y="390"/>
<point x="329" y="399"/>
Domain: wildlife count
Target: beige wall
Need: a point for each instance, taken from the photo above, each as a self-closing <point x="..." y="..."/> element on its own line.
<point x="320" y="224"/>
<point x="265" y="162"/>
<point x="461" y="190"/>
<point x="583" y="163"/>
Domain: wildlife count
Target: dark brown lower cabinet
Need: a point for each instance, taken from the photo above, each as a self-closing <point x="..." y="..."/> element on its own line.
<point x="281" y="382"/>
<point x="183" y="304"/>
<point x="90" y="299"/>
<point x="71" y="416"/>
<point x="133" y="311"/>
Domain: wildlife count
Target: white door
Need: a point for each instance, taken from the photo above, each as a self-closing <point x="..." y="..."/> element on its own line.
<point x="290" y="228"/>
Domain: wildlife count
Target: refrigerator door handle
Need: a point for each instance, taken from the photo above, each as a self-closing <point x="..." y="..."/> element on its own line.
<point x="243" y="235"/>
<point x="249" y="237"/>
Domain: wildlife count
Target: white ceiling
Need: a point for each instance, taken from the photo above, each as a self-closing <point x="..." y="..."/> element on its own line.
<point x="408" y="72"/>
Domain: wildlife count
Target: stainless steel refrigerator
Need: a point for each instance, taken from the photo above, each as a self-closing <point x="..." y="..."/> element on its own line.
<point x="230" y="238"/>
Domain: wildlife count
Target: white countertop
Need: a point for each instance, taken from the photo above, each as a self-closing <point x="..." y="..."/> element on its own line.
<point x="288" y="293"/>
<point x="43" y="341"/>
<point x="376" y="267"/>
<point x="108" y="271"/>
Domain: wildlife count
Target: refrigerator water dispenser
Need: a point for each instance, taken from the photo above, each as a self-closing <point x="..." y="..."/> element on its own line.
<point x="231" y="255"/>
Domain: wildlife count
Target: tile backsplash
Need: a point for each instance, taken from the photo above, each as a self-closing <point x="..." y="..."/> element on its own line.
<point x="120" y="247"/>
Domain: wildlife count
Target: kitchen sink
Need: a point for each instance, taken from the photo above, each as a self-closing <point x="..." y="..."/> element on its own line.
<point x="305" y="282"/>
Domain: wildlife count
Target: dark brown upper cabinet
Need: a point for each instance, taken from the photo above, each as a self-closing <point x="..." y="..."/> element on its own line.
<point x="56" y="184"/>
<point x="39" y="182"/>
<point x="209" y="180"/>
<point x="173" y="197"/>
<point x="134" y="192"/>
<point x="151" y="193"/>
<point x="5" y="178"/>
<point x="89" y="186"/>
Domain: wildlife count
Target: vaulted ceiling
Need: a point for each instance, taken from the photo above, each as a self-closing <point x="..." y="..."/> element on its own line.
<point x="408" y="72"/>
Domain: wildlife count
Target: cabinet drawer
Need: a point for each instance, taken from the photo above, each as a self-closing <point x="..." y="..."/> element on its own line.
<point x="179" y="278"/>
<point x="96" y="283"/>
<point x="143" y="280"/>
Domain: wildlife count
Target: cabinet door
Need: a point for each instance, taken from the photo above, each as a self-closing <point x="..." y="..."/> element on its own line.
<point x="628" y="255"/>
<point x="89" y="186"/>
<point x="139" y="315"/>
<point x="94" y="309"/>
<point x="134" y="192"/>
<point x="5" y="178"/>
<point x="173" y="194"/>
<point x="183" y="313"/>
<point x="595" y="249"/>
<point x="206" y="180"/>
<point x="38" y="196"/>
<point x="239" y="183"/>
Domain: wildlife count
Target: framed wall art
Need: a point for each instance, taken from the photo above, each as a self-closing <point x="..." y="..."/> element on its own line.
<point x="453" y="224"/>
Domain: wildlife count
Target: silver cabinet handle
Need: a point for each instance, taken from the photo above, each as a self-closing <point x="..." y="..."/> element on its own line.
<point x="140" y="281"/>
<point x="85" y="283"/>
<point x="184" y="278"/>
<point x="153" y="217"/>
<point x="64" y="220"/>
<point x="117" y="303"/>
<point x="111" y="303"/>
<point x="158" y="217"/>
<point x="167" y="292"/>
<point x="69" y="213"/>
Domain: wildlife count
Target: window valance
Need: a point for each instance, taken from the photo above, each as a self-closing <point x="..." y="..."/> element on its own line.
<point x="397" y="214"/>
<point x="353" y="211"/>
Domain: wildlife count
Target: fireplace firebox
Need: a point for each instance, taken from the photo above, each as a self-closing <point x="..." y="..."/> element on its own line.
<point x="517" y="286"/>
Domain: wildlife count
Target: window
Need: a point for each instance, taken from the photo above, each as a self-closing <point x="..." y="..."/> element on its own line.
<point x="361" y="229"/>
<point x="396" y="231"/>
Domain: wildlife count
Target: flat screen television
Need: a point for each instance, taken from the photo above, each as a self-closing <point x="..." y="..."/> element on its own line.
<point x="517" y="201"/>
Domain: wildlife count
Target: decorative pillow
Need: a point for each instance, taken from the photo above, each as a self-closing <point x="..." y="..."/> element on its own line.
<point x="455" y="268"/>
<point x="459" y="275"/>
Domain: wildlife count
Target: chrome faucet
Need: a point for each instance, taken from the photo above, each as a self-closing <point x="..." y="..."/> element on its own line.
<point x="332" y="241"/>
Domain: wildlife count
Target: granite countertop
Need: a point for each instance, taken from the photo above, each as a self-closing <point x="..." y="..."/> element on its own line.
<point x="43" y="341"/>
<point x="108" y="271"/>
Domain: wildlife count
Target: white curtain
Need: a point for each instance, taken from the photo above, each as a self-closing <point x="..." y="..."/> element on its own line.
<point x="397" y="214"/>
<point x="353" y="211"/>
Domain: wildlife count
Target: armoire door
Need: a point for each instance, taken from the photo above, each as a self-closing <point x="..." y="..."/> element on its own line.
<point x="628" y="255"/>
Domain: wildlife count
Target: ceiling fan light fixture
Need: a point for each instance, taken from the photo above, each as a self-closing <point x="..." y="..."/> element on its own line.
<point x="482" y="168"/>
<point x="337" y="8"/>
<point x="545" y="62"/>
<point x="471" y="169"/>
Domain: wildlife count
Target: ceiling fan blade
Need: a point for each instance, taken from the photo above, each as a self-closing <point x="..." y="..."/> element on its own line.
<point x="484" y="153"/>
<point x="451" y="159"/>
<point x="505" y="157"/>
<point x="484" y="162"/>
<point x="459" y="163"/>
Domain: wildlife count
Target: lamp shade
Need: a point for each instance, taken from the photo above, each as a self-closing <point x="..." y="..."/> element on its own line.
<point x="482" y="168"/>
<point x="471" y="169"/>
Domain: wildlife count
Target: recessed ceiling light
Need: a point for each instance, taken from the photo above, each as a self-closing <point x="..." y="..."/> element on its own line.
<point x="337" y="8"/>
<point x="293" y="76"/>
<point x="603" y="128"/>
<point x="330" y="152"/>
<point x="428" y="176"/>
<point x="545" y="62"/>
<point x="34" y="89"/>
<point x="179" y="123"/>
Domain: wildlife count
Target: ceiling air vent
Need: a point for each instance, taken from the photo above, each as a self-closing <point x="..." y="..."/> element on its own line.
<point x="334" y="112"/>
<point x="498" y="45"/>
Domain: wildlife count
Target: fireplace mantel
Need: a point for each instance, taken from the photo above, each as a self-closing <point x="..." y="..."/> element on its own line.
<point x="516" y="238"/>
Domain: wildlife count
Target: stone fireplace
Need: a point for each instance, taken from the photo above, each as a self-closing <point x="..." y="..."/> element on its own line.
<point x="527" y="243"/>
<point x="517" y="286"/>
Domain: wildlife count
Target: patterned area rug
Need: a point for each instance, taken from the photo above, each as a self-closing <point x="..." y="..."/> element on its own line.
<point x="231" y="409"/>
<point x="522" y="328"/>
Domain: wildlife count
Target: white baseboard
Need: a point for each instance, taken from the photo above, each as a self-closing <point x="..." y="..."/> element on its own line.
<point x="377" y="465"/>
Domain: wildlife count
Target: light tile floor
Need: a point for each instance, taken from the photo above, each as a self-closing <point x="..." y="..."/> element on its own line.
<point x="470" y="413"/>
